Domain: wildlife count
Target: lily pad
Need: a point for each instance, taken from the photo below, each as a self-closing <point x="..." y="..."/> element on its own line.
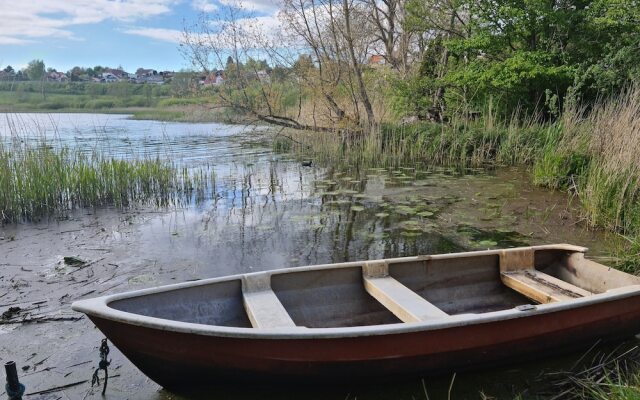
<point x="337" y="202"/>
<point x="377" y="235"/>
<point x="406" y="210"/>
<point x="487" y="243"/>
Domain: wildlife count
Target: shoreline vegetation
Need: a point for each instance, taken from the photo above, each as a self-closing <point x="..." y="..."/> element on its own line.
<point x="41" y="179"/>
<point x="592" y="154"/>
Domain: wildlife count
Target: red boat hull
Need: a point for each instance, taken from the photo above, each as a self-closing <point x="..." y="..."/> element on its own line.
<point x="177" y="359"/>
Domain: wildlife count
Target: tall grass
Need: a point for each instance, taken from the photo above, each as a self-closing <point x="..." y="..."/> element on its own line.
<point x="598" y="157"/>
<point x="37" y="180"/>
<point x="601" y="374"/>
<point x="462" y="142"/>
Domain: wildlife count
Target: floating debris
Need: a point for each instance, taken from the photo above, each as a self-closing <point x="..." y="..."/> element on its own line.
<point x="10" y="313"/>
<point x="73" y="261"/>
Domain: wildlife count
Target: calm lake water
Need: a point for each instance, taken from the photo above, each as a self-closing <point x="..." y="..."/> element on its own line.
<point x="266" y="211"/>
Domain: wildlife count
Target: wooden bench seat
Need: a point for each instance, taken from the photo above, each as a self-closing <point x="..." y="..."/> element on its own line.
<point x="541" y="287"/>
<point x="264" y="309"/>
<point x="517" y="271"/>
<point x="404" y="303"/>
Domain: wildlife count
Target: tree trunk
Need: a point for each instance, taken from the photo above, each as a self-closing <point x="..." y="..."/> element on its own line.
<point x="356" y="66"/>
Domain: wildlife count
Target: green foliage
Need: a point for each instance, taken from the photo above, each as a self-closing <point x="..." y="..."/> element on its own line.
<point x="26" y="96"/>
<point x="418" y="94"/>
<point x="35" y="70"/>
<point x="526" y="54"/>
<point x="98" y="104"/>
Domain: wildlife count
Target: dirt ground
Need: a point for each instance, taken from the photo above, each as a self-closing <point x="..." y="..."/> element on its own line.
<point x="55" y="348"/>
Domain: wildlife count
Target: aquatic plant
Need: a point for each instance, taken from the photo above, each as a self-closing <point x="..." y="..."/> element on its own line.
<point x="38" y="179"/>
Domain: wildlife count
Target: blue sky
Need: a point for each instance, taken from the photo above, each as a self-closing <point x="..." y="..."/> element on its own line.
<point x="127" y="33"/>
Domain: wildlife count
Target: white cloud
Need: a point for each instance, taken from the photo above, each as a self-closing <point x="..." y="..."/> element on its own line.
<point x="203" y="5"/>
<point x="266" y="6"/>
<point x="12" y="40"/>
<point x="167" y="35"/>
<point x="27" y="20"/>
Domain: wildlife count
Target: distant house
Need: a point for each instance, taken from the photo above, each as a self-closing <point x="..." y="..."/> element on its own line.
<point x="213" y="79"/>
<point x="144" y="75"/>
<point x="167" y="75"/>
<point x="119" y="73"/>
<point x="377" y="59"/>
<point x="6" y="76"/>
<point x="108" y="77"/>
<point x="263" y="76"/>
<point x="55" y="76"/>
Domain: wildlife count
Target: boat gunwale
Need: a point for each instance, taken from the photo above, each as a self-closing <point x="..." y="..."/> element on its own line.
<point x="99" y="307"/>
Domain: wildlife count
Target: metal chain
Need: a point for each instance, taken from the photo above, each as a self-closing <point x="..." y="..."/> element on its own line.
<point x="102" y="365"/>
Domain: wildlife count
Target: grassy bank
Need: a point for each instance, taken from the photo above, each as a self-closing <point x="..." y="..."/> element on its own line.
<point x="142" y="101"/>
<point x="38" y="180"/>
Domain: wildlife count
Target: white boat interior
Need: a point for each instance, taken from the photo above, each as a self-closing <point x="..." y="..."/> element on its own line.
<point x="379" y="292"/>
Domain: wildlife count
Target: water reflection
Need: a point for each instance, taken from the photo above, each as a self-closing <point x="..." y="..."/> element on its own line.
<point x="275" y="213"/>
<point x="115" y="135"/>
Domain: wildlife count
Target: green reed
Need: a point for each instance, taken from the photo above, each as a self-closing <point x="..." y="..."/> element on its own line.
<point x="37" y="180"/>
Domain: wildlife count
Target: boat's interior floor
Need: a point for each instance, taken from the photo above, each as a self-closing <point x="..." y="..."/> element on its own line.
<point x="385" y="292"/>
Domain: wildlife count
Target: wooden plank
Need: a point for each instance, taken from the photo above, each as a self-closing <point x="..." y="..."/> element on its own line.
<point x="541" y="287"/>
<point x="265" y="311"/>
<point x="404" y="303"/>
<point x="517" y="259"/>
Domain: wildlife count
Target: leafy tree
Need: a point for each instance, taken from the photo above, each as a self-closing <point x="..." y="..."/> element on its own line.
<point x="75" y="74"/>
<point x="35" y="70"/>
<point x="183" y="83"/>
<point x="256" y="65"/>
<point x="8" y="69"/>
<point x="608" y="54"/>
<point x="279" y="74"/>
<point x="525" y="53"/>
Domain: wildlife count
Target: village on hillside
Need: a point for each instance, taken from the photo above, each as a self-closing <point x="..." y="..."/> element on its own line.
<point x="100" y="74"/>
<point x="110" y="75"/>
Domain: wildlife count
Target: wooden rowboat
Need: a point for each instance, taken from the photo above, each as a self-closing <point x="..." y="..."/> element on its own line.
<point x="384" y="318"/>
